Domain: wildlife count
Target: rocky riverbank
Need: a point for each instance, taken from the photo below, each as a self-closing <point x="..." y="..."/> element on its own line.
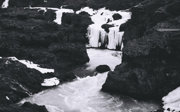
<point x="150" y="64"/>
<point x="29" y="34"/>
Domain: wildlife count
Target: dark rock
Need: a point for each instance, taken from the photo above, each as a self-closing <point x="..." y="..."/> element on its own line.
<point x="32" y="35"/>
<point x="106" y="27"/>
<point x="17" y="81"/>
<point x="117" y="16"/>
<point x="150" y="67"/>
<point x="27" y="107"/>
<point x="102" y="68"/>
<point x="42" y="41"/>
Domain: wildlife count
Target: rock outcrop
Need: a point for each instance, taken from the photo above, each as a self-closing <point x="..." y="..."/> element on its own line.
<point x="150" y="67"/>
<point x="102" y="68"/>
<point x="33" y="35"/>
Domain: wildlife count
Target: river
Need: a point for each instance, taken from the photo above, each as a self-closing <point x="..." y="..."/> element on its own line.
<point x="85" y="95"/>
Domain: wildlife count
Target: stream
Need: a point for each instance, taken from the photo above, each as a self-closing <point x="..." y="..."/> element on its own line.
<point x="85" y="95"/>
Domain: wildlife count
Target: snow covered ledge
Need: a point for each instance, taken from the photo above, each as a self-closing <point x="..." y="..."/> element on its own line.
<point x="172" y="101"/>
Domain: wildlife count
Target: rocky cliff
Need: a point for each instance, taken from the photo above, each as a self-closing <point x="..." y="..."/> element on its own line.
<point x="150" y="67"/>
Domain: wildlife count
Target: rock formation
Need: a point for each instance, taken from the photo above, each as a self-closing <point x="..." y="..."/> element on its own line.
<point x="150" y="66"/>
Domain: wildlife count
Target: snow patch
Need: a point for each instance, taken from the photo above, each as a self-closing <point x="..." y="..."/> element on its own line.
<point x="5" y="4"/>
<point x="51" y="82"/>
<point x="31" y="65"/>
<point x="172" y="101"/>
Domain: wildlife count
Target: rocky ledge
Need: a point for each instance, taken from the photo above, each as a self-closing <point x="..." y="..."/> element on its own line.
<point x="150" y="68"/>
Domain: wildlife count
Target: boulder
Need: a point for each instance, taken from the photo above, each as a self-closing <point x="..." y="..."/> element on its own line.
<point x="102" y="68"/>
<point x="117" y="16"/>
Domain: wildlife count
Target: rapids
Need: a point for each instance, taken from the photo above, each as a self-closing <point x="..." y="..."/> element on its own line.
<point x="84" y="94"/>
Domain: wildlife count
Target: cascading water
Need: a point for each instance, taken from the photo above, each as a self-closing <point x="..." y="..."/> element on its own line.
<point x="84" y="94"/>
<point x="98" y="37"/>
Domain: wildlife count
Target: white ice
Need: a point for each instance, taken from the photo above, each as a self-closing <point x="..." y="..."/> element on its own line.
<point x="5" y="4"/>
<point x="172" y="101"/>
<point x="31" y="65"/>
<point x="51" y="82"/>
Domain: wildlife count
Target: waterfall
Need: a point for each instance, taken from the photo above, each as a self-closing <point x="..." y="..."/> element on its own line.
<point x="97" y="36"/>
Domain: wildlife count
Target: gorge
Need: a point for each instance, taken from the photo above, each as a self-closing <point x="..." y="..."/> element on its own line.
<point x="44" y="46"/>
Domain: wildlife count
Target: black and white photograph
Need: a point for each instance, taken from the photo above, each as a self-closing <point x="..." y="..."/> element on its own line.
<point x="89" y="55"/>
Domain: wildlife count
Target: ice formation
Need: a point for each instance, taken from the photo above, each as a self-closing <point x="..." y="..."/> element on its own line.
<point x="31" y="65"/>
<point x="172" y="101"/>
<point x="5" y="4"/>
<point x="98" y="37"/>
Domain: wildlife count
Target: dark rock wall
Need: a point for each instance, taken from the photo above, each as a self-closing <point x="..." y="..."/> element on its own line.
<point x="150" y="67"/>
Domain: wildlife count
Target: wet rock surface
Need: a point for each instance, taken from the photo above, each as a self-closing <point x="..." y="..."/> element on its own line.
<point x="102" y="68"/>
<point x="150" y="66"/>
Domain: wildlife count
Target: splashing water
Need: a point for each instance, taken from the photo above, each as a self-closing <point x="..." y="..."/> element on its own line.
<point x="97" y="35"/>
<point x="84" y="95"/>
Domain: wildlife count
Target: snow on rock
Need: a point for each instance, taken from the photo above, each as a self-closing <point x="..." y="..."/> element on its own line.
<point x="97" y="35"/>
<point x="31" y="65"/>
<point x="51" y="82"/>
<point x="5" y="4"/>
<point x="172" y="101"/>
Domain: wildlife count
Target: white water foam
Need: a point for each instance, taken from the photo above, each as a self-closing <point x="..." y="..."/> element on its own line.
<point x="172" y="101"/>
<point x="97" y="35"/>
<point x="31" y="65"/>
<point x="84" y="95"/>
<point x="59" y="12"/>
